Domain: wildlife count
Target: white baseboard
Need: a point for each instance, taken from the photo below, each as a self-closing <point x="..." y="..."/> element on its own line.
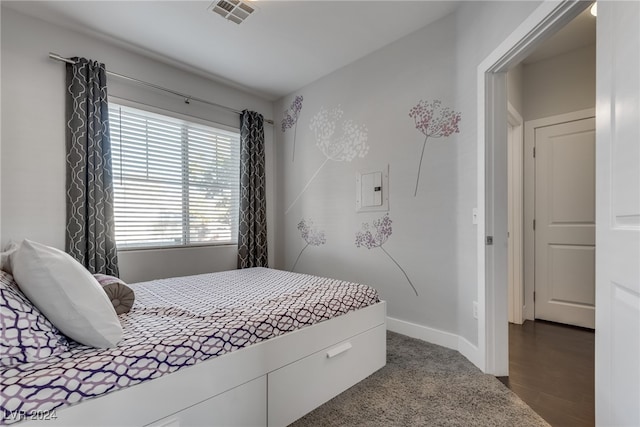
<point x="436" y="336"/>
<point x="424" y="333"/>
<point x="470" y="351"/>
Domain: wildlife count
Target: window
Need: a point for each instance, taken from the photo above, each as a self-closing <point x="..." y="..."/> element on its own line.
<point x="176" y="183"/>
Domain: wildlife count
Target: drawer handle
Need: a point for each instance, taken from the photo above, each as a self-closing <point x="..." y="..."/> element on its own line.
<point x="339" y="349"/>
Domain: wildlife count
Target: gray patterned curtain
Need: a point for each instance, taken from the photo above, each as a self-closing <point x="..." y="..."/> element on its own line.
<point x="252" y="230"/>
<point x="90" y="234"/>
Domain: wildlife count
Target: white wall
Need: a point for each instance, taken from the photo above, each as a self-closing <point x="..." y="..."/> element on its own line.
<point x="560" y="84"/>
<point x="433" y="237"/>
<point x="378" y="91"/>
<point x="33" y="136"/>
<point x="515" y="87"/>
<point x="482" y="26"/>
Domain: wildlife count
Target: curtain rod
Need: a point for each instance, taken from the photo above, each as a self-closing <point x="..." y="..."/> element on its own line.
<point x="187" y="98"/>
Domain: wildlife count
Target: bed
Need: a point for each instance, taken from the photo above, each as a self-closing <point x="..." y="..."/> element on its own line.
<point x="245" y="347"/>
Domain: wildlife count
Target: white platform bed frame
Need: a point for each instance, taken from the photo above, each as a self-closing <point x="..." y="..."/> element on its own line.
<point x="272" y="383"/>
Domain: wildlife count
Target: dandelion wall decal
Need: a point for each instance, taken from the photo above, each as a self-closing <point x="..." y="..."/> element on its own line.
<point x="310" y="235"/>
<point x="290" y="120"/>
<point x="434" y="121"/>
<point x="377" y="235"/>
<point x="343" y="146"/>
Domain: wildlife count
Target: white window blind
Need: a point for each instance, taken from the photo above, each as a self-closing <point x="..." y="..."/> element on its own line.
<point x="176" y="183"/>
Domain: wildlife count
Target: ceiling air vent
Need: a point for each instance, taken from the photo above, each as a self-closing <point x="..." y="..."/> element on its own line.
<point x="233" y="10"/>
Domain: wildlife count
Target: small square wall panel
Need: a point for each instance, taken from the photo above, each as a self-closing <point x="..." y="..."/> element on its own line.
<point x="372" y="190"/>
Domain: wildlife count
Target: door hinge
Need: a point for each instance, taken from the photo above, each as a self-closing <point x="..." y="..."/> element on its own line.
<point x="534" y="296"/>
<point x="489" y="240"/>
<point x="534" y="224"/>
<point x="534" y="152"/>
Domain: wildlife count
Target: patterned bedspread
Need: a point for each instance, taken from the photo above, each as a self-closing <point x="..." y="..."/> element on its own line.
<point x="176" y="323"/>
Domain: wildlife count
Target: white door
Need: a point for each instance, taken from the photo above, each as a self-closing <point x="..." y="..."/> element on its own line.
<point x="565" y="223"/>
<point x="617" y="360"/>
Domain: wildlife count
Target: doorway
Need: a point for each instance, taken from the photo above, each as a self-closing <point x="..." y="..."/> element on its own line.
<point x="617" y="200"/>
<point x="553" y="88"/>
<point x="551" y="201"/>
<point x="547" y="19"/>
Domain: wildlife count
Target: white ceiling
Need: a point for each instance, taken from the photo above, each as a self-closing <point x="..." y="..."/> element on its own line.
<point x="580" y="32"/>
<point x="280" y="48"/>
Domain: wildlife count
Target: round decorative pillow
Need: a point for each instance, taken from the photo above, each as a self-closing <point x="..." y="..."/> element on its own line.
<point x="122" y="296"/>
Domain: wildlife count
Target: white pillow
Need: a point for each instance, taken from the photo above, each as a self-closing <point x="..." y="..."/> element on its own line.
<point x="67" y="294"/>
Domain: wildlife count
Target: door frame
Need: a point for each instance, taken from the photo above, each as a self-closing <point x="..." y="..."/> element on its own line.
<point x="515" y="210"/>
<point x="493" y="337"/>
<point x="530" y="127"/>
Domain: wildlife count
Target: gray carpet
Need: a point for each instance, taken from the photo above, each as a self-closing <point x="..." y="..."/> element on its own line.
<point x="424" y="385"/>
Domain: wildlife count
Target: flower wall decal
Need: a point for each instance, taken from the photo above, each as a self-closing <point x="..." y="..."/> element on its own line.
<point x="339" y="140"/>
<point x="290" y="120"/>
<point x="345" y="147"/>
<point x="375" y="236"/>
<point x="310" y="235"/>
<point x="434" y="121"/>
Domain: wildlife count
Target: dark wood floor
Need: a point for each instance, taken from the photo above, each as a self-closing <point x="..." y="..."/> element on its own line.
<point x="551" y="368"/>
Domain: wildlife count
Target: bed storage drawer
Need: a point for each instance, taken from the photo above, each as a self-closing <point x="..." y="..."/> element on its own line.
<point x="245" y="405"/>
<point x="301" y="386"/>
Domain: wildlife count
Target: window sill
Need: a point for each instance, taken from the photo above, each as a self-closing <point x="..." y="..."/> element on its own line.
<point x="177" y="247"/>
